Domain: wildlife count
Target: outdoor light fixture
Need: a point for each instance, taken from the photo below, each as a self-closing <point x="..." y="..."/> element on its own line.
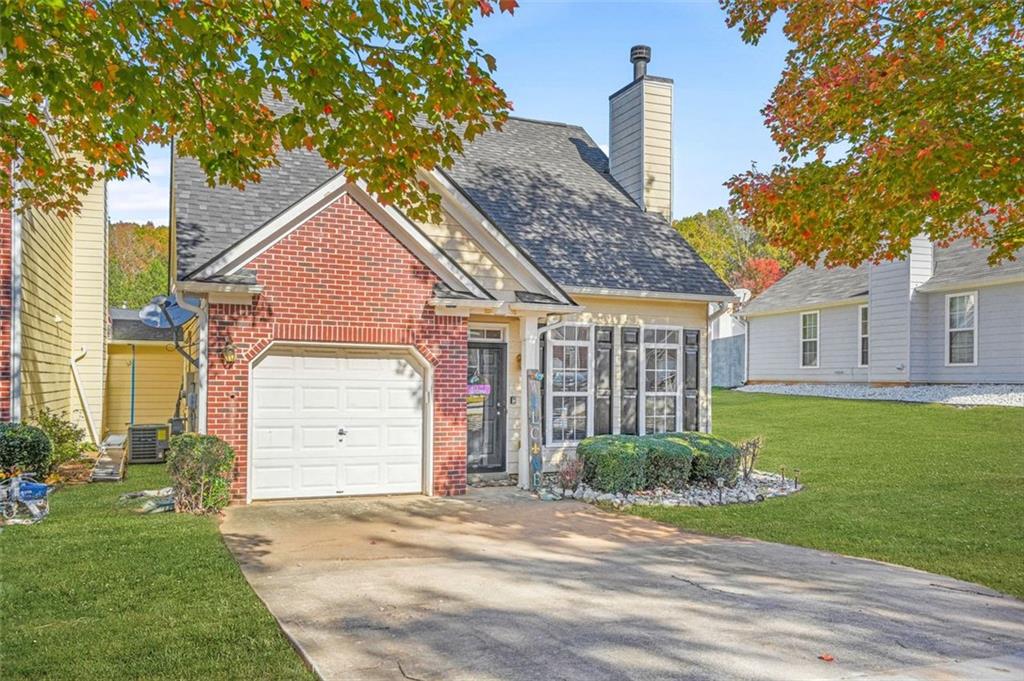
<point x="720" y="483"/>
<point x="227" y="353"/>
<point x="796" y="477"/>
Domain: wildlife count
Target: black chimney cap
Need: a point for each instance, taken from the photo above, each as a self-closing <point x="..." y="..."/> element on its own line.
<point x="640" y="53"/>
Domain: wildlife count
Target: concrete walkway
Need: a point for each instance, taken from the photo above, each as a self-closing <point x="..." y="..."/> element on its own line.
<point x="496" y="585"/>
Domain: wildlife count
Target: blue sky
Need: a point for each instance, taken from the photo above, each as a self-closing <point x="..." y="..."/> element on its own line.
<point x="559" y="60"/>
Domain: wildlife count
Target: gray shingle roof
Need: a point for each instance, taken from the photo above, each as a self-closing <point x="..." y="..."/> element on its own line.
<point x="545" y="185"/>
<point x="804" y="287"/>
<point x="125" y="325"/>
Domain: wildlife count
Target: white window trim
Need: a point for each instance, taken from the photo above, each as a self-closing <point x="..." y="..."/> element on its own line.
<point x="488" y="327"/>
<point x="861" y="336"/>
<point x="973" y="329"/>
<point x="816" y="339"/>
<point x="549" y="419"/>
<point x="642" y="392"/>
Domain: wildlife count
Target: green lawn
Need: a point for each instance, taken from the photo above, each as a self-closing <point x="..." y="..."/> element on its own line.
<point x="99" y="592"/>
<point x="929" y="486"/>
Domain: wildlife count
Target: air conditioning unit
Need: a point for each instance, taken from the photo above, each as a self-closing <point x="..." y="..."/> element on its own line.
<point x="148" y="443"/>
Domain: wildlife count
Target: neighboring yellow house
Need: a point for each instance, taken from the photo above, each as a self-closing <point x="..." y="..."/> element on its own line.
<point x="54" y="313"/>
<point x="144" y="373"/>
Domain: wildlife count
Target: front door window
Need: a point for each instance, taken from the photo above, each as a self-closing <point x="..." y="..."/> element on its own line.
<point x="485" y="408"/>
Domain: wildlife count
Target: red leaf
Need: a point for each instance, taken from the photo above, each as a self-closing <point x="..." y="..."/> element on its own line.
<point x="508" y="6"/>
<point x="32" y="119"/>
<point x="97" y="86"/>
<point x="825" y="657"/>
<point x="486" y="8"/>
<point x="934" y="195"/>
<point x="328" y="109"/>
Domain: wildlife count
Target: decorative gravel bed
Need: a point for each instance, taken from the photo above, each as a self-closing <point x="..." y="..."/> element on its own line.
<point x="759" y="487"/>
<point x="1001" y="395"/>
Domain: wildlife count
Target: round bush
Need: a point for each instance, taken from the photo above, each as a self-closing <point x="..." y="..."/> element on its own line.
<point x="24" y="447"/>
<point x="613" y="463"/>
<point x="713" y="457"/>
<point x="668" y="462"/>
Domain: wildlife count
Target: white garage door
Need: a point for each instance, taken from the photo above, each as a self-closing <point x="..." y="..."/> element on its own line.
<point x="301" y="400"/>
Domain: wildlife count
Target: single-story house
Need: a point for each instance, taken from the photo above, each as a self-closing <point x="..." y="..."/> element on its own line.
<point x="345" y="349"/>
<point x="941" y="315"/>
<point x="144" y="373"/>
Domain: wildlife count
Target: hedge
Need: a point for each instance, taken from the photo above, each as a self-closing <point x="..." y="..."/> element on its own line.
<point x="627" y="463"/>
<point x="25" y="448"/>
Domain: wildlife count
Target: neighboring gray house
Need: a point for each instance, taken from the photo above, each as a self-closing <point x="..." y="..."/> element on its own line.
<point x="942" y="315"/>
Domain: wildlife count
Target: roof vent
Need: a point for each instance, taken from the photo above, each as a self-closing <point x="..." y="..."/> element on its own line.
<point x="640" y="56"/>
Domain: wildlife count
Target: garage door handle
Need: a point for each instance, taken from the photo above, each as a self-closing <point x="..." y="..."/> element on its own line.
<point x="341" y="434"/>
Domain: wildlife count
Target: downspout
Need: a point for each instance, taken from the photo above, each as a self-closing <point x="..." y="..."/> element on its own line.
<point x="131" y="408"/>
<point x="15" y="407"/>
<point x="81" y="396"/>
<point x="202" y="320"/>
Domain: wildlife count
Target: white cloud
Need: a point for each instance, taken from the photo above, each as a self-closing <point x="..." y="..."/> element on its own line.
<point x="137" y="200"/>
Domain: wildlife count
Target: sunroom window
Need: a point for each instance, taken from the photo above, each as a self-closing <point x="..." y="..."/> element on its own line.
<point x="661" y="380"/>
<point x="570" y="383"/>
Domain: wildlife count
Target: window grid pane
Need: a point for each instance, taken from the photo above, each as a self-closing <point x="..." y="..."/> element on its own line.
<point x="809" y="354"/>
<point x="961" y="347"/>
<point x="570" y="382"/>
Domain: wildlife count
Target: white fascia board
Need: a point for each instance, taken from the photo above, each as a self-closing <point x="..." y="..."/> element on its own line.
<point x="652" y="295"/>
<point x="410" y="236"/>
<point x="236" y="257"/>
<point x="971" y="283"/>
<point x="213" y="287"/>
<point x="810" y="307"/>
<point x="275" y="229"/>
<point x="492" y="239"/>
<point x="546" y="307"/>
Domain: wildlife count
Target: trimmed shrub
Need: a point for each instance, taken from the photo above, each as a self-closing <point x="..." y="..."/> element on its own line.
<point x="24" y="447"/>
<point x="713" y="457"/>
<point x="613" y="463"/>
<point x="668" y="462"/>
<point x="199" y="466"/>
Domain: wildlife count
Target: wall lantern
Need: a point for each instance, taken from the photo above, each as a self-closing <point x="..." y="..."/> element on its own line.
<point x="227" y="353"/>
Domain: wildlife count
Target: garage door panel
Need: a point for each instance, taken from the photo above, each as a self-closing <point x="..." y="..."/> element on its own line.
<point x="301" y="400"/>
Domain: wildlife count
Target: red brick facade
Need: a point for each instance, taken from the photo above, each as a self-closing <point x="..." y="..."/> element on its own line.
<point x="6" y="313"/>
<point x="343" y="278"/>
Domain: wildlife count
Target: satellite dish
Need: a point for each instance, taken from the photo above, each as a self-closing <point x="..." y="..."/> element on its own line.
<point x="164" y="312"/>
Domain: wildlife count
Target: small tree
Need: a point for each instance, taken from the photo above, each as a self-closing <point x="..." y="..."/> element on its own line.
<point x="757" y="274"/>
<point x="200" y="466"/>
<point x="749" y="451"/>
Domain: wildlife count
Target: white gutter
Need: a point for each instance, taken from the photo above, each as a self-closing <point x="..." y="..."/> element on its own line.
<point x="81" y="396"/>
<point x="15" y="303"/>
<point x="653" y="295"/>
<point x="202" y="320"/>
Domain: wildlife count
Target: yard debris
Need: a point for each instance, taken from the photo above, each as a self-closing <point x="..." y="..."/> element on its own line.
<point x="825" y="657"/>
<point x="157" y="500"/>
<point x="21" y="494"/>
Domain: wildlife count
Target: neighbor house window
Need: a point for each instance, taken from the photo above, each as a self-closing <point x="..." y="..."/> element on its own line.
<point x="661" y="380"/>
<point x="809" y="339"/>
<point x="863" y="335"/>
<point x="961" y="328"/>
<point x="570" y="394"/>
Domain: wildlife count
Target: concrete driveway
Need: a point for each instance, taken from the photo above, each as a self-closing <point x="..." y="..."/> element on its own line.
<point x="496" y="585"/>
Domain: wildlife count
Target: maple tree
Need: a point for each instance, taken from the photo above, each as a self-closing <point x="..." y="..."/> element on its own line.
<point x="380" y="88"/>
<point x="728" y="246"/>
<point x="893" y="118"/>
<point x="757" y="274"/>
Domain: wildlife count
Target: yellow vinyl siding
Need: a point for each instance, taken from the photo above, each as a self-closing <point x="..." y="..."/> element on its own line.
<point x="89" y="311"/>
<point x="658" y="147"/>
<point x="450" y="236"/>
<point x="158" y="374"/>
<point x="46" y="313"/>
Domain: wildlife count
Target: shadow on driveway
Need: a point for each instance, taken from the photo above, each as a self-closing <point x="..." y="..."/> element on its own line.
<point x="496" y="585"/>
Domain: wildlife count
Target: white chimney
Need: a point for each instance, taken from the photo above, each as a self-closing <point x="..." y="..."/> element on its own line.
<point x="640" y="136"/>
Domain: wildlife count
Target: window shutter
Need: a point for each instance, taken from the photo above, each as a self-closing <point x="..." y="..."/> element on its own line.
<point x="691" y="379"/>
<point x="603" y="347"/>
<point x="630" y="358"/>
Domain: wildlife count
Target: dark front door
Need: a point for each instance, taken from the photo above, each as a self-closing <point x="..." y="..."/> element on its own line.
<point x="485" y="408"/>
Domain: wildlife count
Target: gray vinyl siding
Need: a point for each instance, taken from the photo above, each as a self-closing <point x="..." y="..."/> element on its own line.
<point x="1000" y="329"/>
<point x="775" y="347"/>
<point x="889" y="315"/>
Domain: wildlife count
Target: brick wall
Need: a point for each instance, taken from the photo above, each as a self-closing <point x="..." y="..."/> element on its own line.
<point x="6" y="312"/>
<point x="341" y="277"/>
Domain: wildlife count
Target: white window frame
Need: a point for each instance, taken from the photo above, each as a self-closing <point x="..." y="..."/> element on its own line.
<point x="863" y="334"/>
<point x="973" y="329"/>
<point x="486" y="327"/>
<point x="680" y="360"/>
<point x="816" y="339"/>
<point x="549" y="347"/>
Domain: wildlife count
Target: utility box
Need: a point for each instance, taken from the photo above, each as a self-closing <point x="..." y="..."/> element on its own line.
<point x="148" y="443"/>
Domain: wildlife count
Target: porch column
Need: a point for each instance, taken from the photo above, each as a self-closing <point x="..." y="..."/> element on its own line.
<point x="531" y="361"/>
